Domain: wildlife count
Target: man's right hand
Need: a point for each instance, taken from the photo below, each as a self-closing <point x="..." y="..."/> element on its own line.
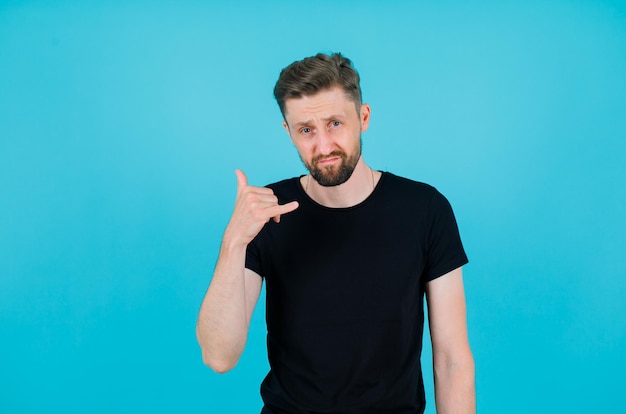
<point x="254" y="207"/>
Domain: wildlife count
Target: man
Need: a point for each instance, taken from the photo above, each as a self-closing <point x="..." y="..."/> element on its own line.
<point x="347" y="254"/>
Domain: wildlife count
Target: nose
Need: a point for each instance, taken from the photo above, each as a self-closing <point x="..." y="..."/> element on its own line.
<point x="325" y="142"/>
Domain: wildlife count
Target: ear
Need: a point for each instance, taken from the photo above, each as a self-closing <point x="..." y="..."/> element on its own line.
<point x="365" y="117"/>
<point x="286" y="127"/>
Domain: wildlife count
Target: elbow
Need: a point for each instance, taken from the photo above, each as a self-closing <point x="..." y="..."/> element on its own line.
<point x="460" y="365"/>
<point x="219" y="365"/>
<point x="218" y="356"/>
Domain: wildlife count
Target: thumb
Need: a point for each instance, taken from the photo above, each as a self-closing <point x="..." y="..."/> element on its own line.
<point x="242" y="180"/>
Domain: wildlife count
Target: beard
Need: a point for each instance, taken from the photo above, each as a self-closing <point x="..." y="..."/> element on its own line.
<point x="332" y="176"/>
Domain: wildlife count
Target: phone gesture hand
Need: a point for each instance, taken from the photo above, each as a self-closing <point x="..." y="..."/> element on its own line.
<point x="254" y="207"/>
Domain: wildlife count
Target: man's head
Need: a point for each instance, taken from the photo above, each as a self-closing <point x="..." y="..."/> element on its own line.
<point x="318" y="97"/>
<point x="311" y="75"/>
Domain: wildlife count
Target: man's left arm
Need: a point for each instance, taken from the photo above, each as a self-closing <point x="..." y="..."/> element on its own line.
<point x="452" y="358"/>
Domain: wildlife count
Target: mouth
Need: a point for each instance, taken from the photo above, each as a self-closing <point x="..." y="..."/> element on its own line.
<point x="328" y="160"/>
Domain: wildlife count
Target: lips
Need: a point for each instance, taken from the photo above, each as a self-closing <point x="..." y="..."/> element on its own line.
<point x="329" y="160"/>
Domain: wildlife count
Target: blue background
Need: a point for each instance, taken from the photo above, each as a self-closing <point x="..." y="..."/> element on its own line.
<point x="121" y="125"/>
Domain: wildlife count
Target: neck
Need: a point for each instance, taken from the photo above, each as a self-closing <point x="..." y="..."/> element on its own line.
<point x="354" y="191"/>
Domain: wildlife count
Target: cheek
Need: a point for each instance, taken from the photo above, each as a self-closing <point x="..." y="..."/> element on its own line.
<point x="303" y="150"/>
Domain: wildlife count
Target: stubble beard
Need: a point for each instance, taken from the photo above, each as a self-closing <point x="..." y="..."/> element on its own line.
<point x="332" y="176"/>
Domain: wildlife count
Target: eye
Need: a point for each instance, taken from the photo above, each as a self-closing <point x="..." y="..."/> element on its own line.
<point x="335" y="123"/>
<point x="305" y="130"/>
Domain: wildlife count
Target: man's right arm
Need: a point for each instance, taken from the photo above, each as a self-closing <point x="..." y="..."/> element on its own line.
<point x="224" y="318"/>
<point x="222" y="327"/>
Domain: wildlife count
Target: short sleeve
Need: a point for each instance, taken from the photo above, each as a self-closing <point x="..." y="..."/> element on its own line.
<point x="445" y="250"/>
<point x="253" y="257"/>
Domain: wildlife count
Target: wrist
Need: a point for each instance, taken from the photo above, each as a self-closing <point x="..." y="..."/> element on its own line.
<point x="231" y="244"/>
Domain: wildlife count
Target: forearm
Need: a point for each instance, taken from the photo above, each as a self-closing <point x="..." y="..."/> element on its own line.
<point x="455" y="391"/>
<point x="222" y="326"/>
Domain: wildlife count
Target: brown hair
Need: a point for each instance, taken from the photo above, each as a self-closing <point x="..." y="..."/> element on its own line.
<point x="313" y="74"/>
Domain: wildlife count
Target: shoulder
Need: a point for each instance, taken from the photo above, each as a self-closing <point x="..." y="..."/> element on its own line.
<point x="415" y="195"/>
<point x="288" y="189"/>
<point x="286" y="183"/>
<point x="406" y="187"/>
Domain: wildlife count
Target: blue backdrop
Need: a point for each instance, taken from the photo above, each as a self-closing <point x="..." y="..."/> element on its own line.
<point x="121" y="125"/>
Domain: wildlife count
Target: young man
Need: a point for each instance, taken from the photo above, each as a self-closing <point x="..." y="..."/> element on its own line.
<point x="348" y="254"/>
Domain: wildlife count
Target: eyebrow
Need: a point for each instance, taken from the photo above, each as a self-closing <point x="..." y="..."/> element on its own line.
<point x="326" y="119"/>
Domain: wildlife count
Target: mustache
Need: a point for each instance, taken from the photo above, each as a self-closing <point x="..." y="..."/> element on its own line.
<point x="335" y="153"/>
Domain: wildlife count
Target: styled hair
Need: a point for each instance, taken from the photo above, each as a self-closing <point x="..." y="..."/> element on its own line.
<point x="313" y="74"/>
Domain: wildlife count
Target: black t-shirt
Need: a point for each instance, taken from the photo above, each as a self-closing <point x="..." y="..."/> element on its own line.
<point x="345" y="290"/>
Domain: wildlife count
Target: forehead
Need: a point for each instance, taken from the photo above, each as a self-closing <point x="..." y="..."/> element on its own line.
<point x="333" y="101"/>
